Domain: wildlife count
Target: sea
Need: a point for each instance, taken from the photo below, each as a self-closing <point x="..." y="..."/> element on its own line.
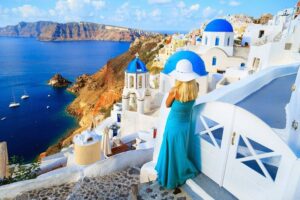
<point x="26" y="65"/>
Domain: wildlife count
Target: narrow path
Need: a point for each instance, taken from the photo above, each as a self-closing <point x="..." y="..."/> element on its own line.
<point x="115" y="186"/>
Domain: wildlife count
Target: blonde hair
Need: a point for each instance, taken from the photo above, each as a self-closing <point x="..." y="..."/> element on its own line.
<point x="186" y="91"/>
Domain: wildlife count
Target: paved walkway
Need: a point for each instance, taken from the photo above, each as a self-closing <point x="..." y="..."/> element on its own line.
<point x="116" y="186"/>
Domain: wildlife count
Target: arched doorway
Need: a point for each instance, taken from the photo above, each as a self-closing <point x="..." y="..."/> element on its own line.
<point x="132" y="102"/>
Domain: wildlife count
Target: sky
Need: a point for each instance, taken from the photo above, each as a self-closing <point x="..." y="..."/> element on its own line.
<point x="172" y="15"/>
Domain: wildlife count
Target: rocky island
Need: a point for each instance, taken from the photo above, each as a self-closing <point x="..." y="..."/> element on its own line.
<point x="58" y="81"/>
<point x="53" y="31"/>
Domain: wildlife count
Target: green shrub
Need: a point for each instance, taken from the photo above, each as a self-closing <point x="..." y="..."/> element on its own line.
<point x="20" y="171"/>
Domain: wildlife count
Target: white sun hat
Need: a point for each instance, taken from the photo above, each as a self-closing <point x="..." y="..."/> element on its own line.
<point x="184" y="71"/>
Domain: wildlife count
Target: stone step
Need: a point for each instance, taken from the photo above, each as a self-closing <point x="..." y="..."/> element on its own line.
<point x="206" y="188"/>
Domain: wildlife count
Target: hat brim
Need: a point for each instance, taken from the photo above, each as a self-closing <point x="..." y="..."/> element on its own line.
<point x="181" y="76"/>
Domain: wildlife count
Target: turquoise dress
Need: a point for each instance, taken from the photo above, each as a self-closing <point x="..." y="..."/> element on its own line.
<point x="174" y="166"/>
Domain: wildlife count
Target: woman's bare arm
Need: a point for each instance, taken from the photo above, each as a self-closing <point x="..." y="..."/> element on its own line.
<point x="170" y="99"/>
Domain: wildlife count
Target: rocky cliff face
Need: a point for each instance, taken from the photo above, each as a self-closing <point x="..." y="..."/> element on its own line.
<point x="264" y="19"/>
<point x="97" y="93"/>
<point x="52" y="31"/>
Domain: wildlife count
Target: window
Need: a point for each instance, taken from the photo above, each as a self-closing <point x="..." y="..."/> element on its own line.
<point x="217" y="41"/>
<point x="206" y="40"/>
<point x="131" y="82"/>
<point x="288" y="46"/>
<point x="214" y="61"/>
<point x="228" y="41"/>
<point x="256" y="62"/>
<point x="242" y="65"/>
<point x="118" y="117"/>
<point x="140" y="81"/>
<point x="261" y="33"/>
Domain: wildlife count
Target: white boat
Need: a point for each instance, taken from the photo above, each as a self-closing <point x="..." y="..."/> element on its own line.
<point x="14" y="105"/>
<point x="48" y="107"/>
<point x="49" y="95"/>
<point x="25" y="96"/>
<point x="3" y="118"/>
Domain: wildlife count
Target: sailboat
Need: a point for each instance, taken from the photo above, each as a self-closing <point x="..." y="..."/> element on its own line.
<point x="25" y="96"/>
<point x="14" y="104"/>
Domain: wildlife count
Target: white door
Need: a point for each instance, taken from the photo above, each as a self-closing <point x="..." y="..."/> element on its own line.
<point x="214" y="131"/>
<point x="259" y="162"/>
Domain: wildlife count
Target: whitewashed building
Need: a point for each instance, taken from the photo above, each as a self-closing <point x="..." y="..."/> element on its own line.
<point x="258" y="33"/>
<point x="281" y="50"/>
<point x="217" y="47"/>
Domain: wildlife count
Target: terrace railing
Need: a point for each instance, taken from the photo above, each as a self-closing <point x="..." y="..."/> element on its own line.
<point x="242" y="153"/>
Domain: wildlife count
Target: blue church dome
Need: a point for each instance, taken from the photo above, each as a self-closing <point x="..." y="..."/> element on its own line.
<point x="218" y="25"/>
<point x="136" y="66"/>
<point x="197" y="62"/>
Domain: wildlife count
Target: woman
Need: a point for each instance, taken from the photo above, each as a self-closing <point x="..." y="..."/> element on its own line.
<point x="173" y="165"/>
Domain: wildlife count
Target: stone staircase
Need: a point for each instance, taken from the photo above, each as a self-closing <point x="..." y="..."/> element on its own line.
<point x="115" y="186"/>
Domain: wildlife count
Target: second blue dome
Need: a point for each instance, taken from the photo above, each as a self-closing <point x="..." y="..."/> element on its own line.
<point x="219" y="25"/>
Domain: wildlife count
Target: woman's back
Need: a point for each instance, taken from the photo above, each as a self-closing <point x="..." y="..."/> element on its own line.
<point x="181" y="111"/>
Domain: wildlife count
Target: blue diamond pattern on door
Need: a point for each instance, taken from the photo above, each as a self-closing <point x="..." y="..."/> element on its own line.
<point x="211" y="131"/>
<point x="258" y="157"/>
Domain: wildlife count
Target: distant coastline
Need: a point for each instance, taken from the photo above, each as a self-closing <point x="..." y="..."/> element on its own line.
<point x="72" y="31"/>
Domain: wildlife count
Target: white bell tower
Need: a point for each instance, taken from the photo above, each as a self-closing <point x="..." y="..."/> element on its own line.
<point x="136" y="87"/>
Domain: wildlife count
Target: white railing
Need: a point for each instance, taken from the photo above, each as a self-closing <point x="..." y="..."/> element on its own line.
<point x="242" y="153"/>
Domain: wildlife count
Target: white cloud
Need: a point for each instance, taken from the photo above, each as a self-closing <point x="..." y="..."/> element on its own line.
<point x="140" y="14"/>
<point x="155" y="13"/>
<point x="77" y="10"/>
<point x="234" y="3"/>
<point x="98" y="4"/>
<point x="28" y="11"/>
<point x="121" y="13"/>
<point x="159" y="1"/>
<point x="195" y="7"/>
<point x="208" y="12"/>
<point x="183" y="11"/>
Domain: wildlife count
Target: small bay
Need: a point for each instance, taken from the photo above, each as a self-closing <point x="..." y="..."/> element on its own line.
<point x="25" y="67"/>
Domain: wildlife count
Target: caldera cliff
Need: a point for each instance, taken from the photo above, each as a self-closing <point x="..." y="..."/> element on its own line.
<point x="53" y="31"/>
<point x="97" y="93"/>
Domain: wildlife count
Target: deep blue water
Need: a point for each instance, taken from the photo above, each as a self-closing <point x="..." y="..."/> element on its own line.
<point x="27" y="64"/>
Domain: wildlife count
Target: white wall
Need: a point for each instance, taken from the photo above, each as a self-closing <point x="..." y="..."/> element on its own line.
<point x="223" y="39"/>
<point x="73" y="174"/>
<point x="223" y="60"/>
<point x="274" y="53"/>
<point x="132" y="122"/>
<point x="251" y="35"/>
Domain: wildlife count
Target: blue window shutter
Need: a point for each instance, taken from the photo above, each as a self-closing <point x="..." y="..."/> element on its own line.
<point x="217" y="41"/>
<point x="214" y="61"/>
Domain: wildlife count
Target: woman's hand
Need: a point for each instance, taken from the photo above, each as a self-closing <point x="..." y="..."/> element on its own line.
<point x="170" y="98"/>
